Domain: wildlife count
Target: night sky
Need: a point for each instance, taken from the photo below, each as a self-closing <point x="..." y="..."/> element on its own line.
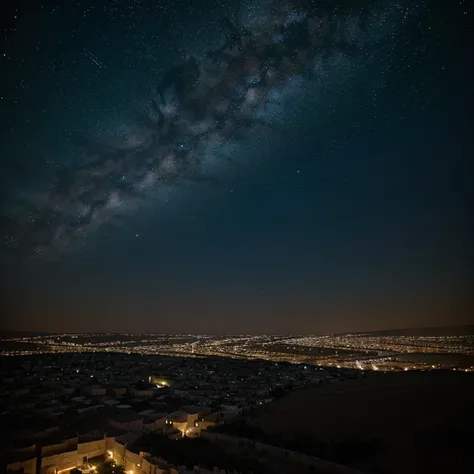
<point x="336" y="198"/>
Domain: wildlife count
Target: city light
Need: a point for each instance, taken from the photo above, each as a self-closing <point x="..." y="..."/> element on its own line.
<point x="355" y="351"/>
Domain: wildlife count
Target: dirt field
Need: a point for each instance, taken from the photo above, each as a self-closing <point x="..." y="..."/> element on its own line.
<point x="422" y="418"/>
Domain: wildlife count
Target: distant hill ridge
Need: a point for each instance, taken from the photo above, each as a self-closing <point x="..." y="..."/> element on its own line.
<point x="420" y="331"/>
<point x="424" y="331"/>
<point x="4" y="334"/>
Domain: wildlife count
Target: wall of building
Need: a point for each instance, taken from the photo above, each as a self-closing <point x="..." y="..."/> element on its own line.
<point x="192" y="419"/>
<point x="68" y="459"/>
<point x="160" y="423"/>
<point x="92" y="449"/>
<point x="119" y="391"/>
<point x="96" y="391"/>
<point x="180" y="425"/>
<point x="204" y="425"/>
<point x="118" y="452"/>
<point x="54" y="462"/>
<point x="110" y="443"/>
<point x="148" y="468"/>
<point x="27" y="466"/>
<point x="58" y="462"/>
<point x="133" y="462"/>
<point x="71" y="443"/>
<point x="27" y="450"/>
<point x="52" y="449"/>
<point x="134" y="426"/>
<point x="141" y="393"/>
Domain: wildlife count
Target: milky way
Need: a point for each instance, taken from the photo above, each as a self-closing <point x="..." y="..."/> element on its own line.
<point x="268" y="61"/>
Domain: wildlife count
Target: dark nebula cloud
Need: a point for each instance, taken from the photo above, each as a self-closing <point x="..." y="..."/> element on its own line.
<point x="203" y="106"/>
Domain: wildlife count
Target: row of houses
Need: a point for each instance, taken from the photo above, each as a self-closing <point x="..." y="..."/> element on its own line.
<point x="70" y="454"/>
<point x="78" y="397"/>
<point x="63" y="457"/>
<point x="189" y="421"/>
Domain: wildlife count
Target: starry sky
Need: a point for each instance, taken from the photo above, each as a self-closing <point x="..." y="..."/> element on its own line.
<point x="330" y="194"/>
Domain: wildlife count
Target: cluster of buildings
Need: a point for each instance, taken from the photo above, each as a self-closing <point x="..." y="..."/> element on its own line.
<point x="61" y="411"/>
<point x="368" y="351"/>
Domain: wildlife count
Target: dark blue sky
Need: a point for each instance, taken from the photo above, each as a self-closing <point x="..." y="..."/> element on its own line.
<point x="351" y="212"/>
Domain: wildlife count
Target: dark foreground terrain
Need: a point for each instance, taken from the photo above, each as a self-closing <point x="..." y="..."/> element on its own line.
<point x="416" y="422"/>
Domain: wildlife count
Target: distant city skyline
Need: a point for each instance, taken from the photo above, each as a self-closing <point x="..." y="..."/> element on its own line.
<point x="376" y="351"/>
